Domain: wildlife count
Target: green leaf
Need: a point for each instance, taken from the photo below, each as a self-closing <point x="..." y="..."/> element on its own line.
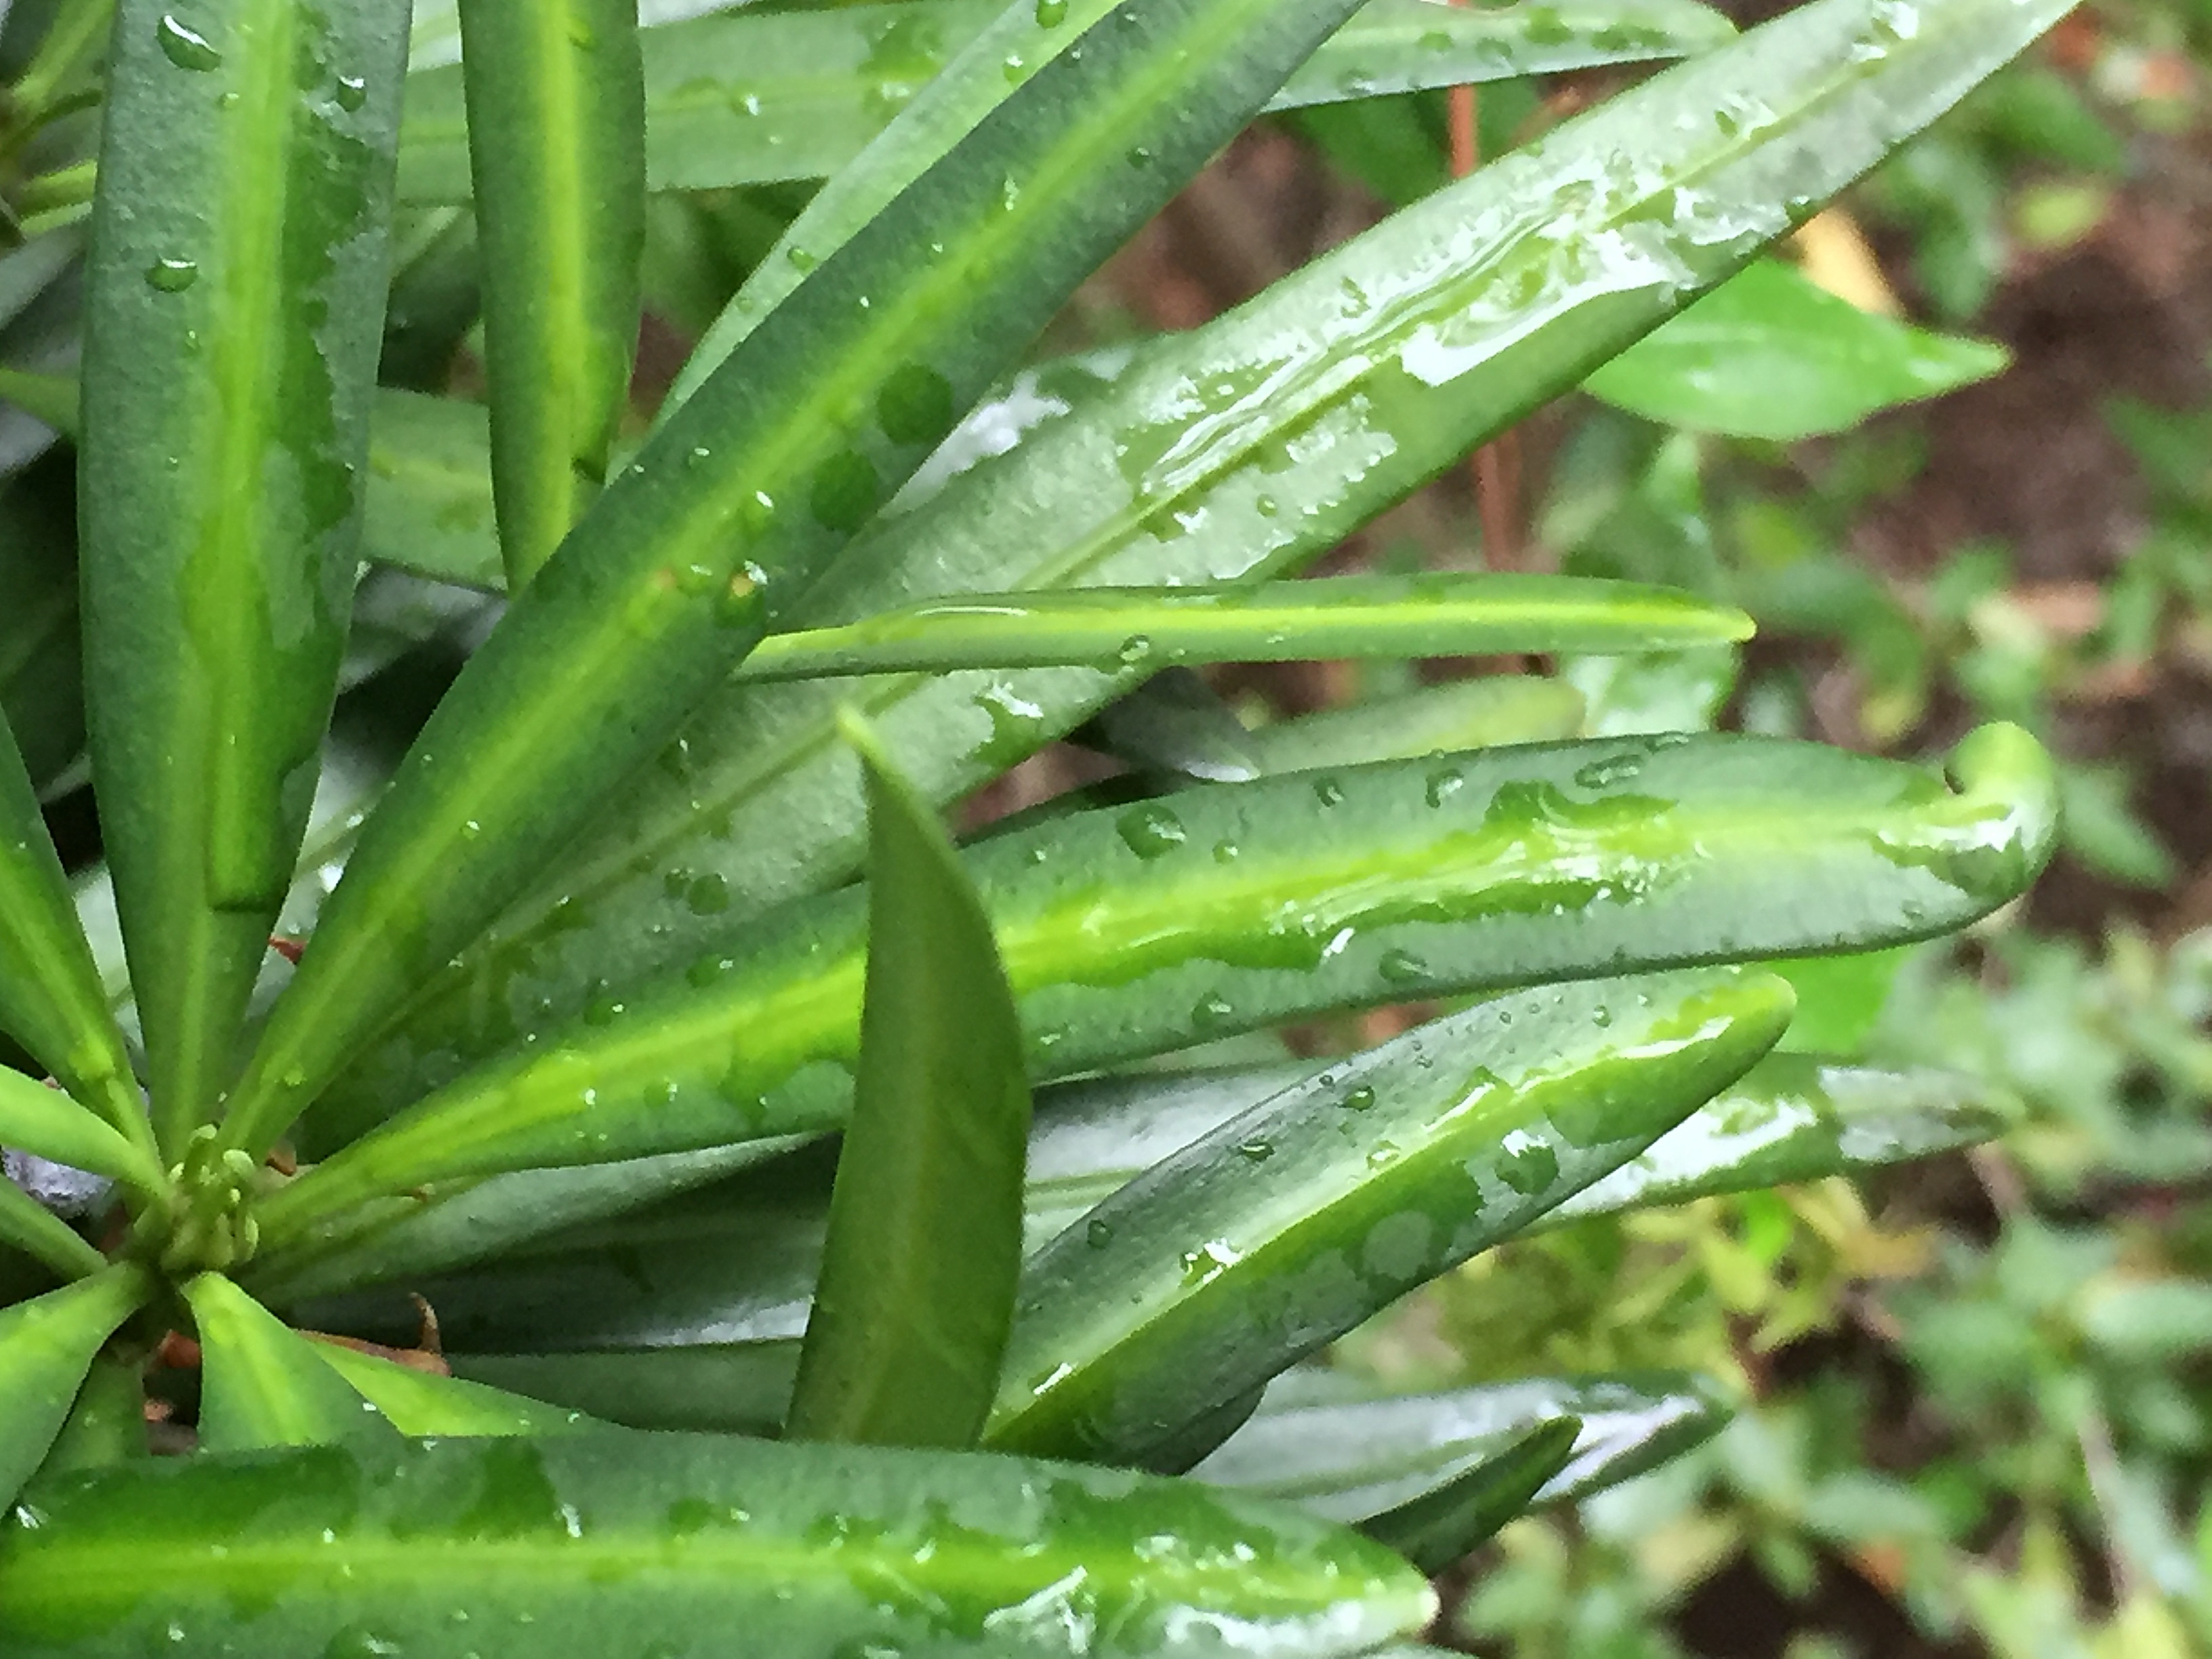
<point x="738" y="1388"/>
<point x="1437" y="615"/>
<point x="430" y="507"/>
<point x="51" y="998"/>
<point x="1326" y="1441"/>
<point x="924" y="1246"/>
<point x="1240" y="449"/>
<point x="1440" y="1528"/>
<point x="1231" y="906"/>
<point x="235" y="287"/>
<point x="424" y="1403"/>
<point x="28" y="1227"/>
<point x="680" y="566"/>
<point x="1797" y="1118"/>
<point x="556" y="96"/>
<point x="1840" y="999"/>
<point x="42" y="664"/>
<point x="46" y="1347"/>
<point x="261" y="1385"/>
<point x="750" y="97"/>
<point x="107" y="1424"/>
<point x="1770" y="355"/>
<point x="581" y="1546"/>
<point x="1477" y="713"/>
<point x="35" y="1118"/>
<point x="1287" y="1226"/>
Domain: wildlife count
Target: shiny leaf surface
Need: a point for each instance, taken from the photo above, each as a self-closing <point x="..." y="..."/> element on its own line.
<point x="1438" y="615"/>
<point x="1294" y="1222"/>
<point x="1240" y="449"/>
<point x="924" y="1243"/>
<point x="235" y="288"/>
<point x="1231" y="906"/>
<point x="611" y="1542"/>
<point x="556" y="94"/>
<point x="673" y="575"/>
<point x="261" y="1385"/>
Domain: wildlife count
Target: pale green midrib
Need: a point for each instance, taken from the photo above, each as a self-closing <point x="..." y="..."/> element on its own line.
<point x="248" y="1567"/>
<point x="1114" y="532"/>
<point x="512" y="752"/>
<point x="228" y="529"/>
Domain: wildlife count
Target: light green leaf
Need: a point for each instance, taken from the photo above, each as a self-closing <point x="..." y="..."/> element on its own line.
<point x="1476" y="713"/>
<point x="543" y="1546"/>
<point x="235" y="286"/>
<point x="424" y="1403"/>
<point x="556" y="95"/>
<point x="35" y="1118"/>
<point x="1287" y="1226"/>
<point x="261" y="1386"/>
<point x="1438" y="615"/>
<point x="107" y="1424"/>
<point x="1243" y="449"/>
<point x="1770" y="355"/>
<point x="28" y="1227"/>
<point x="924" y="1246"/>
<point x="680" y="566"/>
<point x="46" y="1347"/>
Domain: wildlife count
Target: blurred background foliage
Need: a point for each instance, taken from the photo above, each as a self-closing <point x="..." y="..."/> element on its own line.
<point x="1977" y="1393"/>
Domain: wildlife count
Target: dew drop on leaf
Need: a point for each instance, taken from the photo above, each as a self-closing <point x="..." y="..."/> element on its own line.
<point x="186" y="48"/>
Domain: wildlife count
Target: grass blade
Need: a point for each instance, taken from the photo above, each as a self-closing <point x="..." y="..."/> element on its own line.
<point x="924" y="1247"/>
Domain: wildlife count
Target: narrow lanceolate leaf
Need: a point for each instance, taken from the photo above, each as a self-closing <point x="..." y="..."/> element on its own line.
<point x="36" y="1119"/>
<point x="1241" y="450"/>
<point x="1290" y="1224"/>
<point x="235" y="289"/>
<point x="1768" y="355"/>
<point x="261" y="1385"/>
<point x="747" y="98"/>
<point x="1232" y="907"/>
<point x="1439" y="1528"/>
<point x="587" y="1545"/>
<point x="1477" y="713"/>
<point x="430" y="508"/>
<point x="107" y="1424"/>
<point x="46" y="1347"/>
<point x="51" y="999"/>
<point x="1324" y="1440"/>
<point x="28" y="1227"/>
<point x="1438" y="615"/>
<point x="1797" y="1118"/>
<point x="420" y="1402"/>
<point x="678" y="568"/>
<point x="556" y="109"/>
<point x="924" y="1248"/>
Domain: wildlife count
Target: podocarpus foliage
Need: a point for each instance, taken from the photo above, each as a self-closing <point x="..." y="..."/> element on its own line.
<point x="598" y="1049"/>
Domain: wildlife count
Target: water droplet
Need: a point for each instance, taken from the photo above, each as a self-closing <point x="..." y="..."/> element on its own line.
<point x="1601" y="1017"/>
<point x="1017" y="70"/>
<point x="353" y="91"/>
<point x="1134" y="650"/>
<point x="1149" y="830"/>
<point x="1139" y="157"/>
<point x="709" y="896"/>
<point x="1212" y="1010"/>
<point x="800" y="258"/>
<point x="1525" y="1164"/>
<point x="1380" y="1153"/>
<point x="171" y="275"/>
<point x="1328" y="791"/>
<point x="1051" y="13"/>
<point x="1097" y="1234"/>
<point x="1266" y="507"/>
<point x="1359" y="1099"/>
<point x="186" y="48"/>
<point x="1614" y="769"/>
<point x="1444" y="784"/>
<point x="915" y="406"/>
<point x="1226" y="852"/>
<point x="1256" y="1151"/>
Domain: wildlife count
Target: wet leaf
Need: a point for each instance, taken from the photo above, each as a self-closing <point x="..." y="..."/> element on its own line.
<point x="609" y="1541"/>
<point x="1440" y="1528"/>
<point x="924" y="1242"/>
<point x="261" y="1385"/>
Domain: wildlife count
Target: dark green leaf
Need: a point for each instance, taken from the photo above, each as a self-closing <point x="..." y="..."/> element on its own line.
<point x="1477" y="713"/>
<point x="107" y="1424"/>
<point x="924" y="1247"/>
<point x="418" y="1402"/>
<point x="583" y="1546"/>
